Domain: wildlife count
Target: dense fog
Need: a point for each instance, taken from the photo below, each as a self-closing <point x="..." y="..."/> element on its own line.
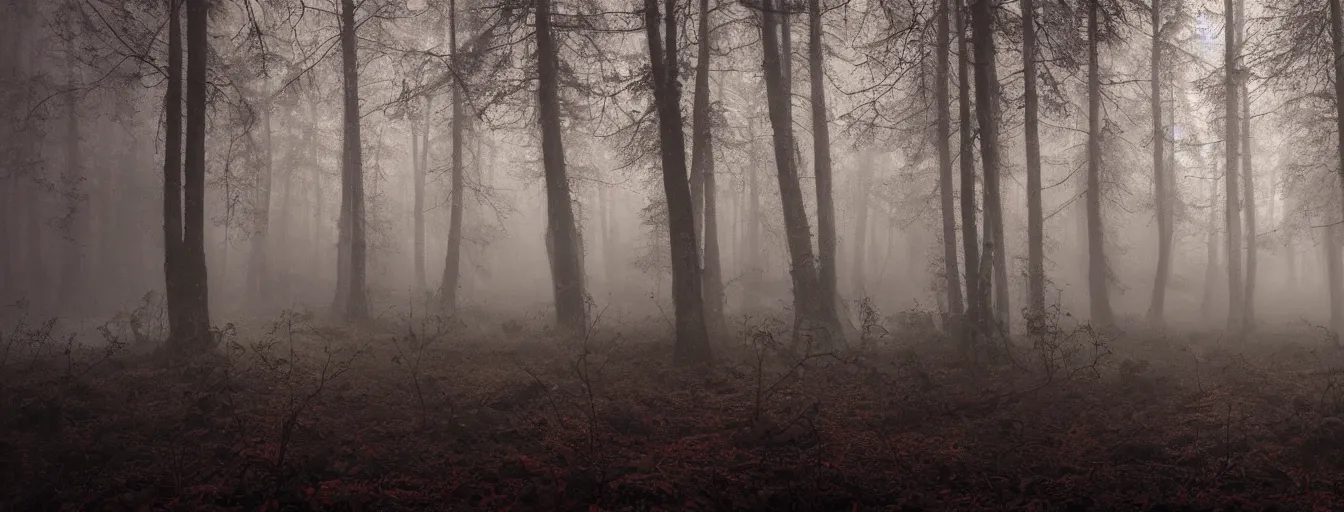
<point x="85" y="149"/>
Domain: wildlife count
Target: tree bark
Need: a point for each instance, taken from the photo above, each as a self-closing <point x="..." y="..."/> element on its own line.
<point x="1231" y="140"/>
<point x="702" y="165"/>
<point x="1161" y="195"/>
<point x="286" y="206"/>
<point x="258" y="265"/>
<point x="172" y="181"/>
<point x="753" y="260"/>
<point x="1035" y="213"/>
<point x="976" y="295"/>
<point x="452" y="260"/>
<point x="1337" y="44"/>
<point x="986" y="109"/>
<point x="1333" y="275"/>
<point x="319" y="248"/>
<point x="861" y="207"/>
<point x="829" y="297"/>
<point x="73" y="291"/>
<point x="418" y="201"/>
<point x="1211" y="248"/>
<point x="951" y="272"/>
<point x="1247" y="173"/>
<point x="803" y="269"/>
<point x="692" y="344"/>
<point x="196" y="315"/>
<point x="566" y="266"/>
<point x="607" y="225"/>
<point x="353" y="303"/>
<point x="1096" y="234"/>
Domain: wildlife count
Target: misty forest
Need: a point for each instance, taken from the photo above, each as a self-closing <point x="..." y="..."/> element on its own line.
<point x="671" y="255"/>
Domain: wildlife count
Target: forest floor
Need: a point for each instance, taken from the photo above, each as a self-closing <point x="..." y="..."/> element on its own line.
<point x="426" y="415"/>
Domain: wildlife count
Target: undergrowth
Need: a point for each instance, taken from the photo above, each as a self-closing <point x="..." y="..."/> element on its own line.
<point x="440" y="413"/>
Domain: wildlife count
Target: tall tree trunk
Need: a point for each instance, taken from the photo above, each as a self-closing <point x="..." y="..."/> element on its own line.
<point x="73" y="292"/>
<point x="566" y="267"/>
<point x="861" y="208"/>
<point x="976" y="295"/>
<point x="702" y="166"/>
<point x="172" y="181"/>
<point x="1035" y="213"/>
<point x="196" y="292"/>
<point x="1247" y="173"/>
<point x="1333" y="275"/>
<point x="258" y="271"/>
<point x="355" y="301"/>
<point x="319" y="247"/>
<point x="692" y="345"/>
<point x="821" y="152"/>
<point x="418" y="202"/>
<point x="987" y="114"/>
<point x="1337" y="44"/>
<point x="986" y="109"/>
<point x="1096" y="234"/>
<point x="452" y="261"/>
<point x="1211" y="248"/>
<point x="751" y="290"/>
<point x="1231" y="140"/>
<point x="606" y="227"/>
<point x="951" y="272"/>
<point x="286" y="205"/>
<point x="803" y="269"/>
<point x="1161" y="195"/>
<point x="1291" y="250"/>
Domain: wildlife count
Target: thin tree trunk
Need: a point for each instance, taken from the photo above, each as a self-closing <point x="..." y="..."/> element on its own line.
<point x="986" y="101"/>
<point x="287" y="206"/>
<point x="606" y="212"/>
<point x="418" y="208"/>
<point x="1161" y="195"/>
<point x="702" y="168"/>
<point x="692" y="344"/>
<point x="1211" y="249"/>
<point x="976" y="295"/>
<point x="1336" y="280"/>
<point x="318" y="247"/>
<point x="861" y="242"/>
<point x="1293" y="280"/>
<point x="72" y="287"/>
<point x="1096" y="234"/>
<point x="258" y="271"/>
<point x="1247" y="173"/>
<point x="566" y="267"/>
<point x="196" y="291"/>
<point x="452" y="261"/>
<point x="821" y="152"/>
<point x="1035" y="213"/>
<point x="1337" y="44"/>
<point x="946" y="194"/>
<point x="1231" y="140"/>
<point x="753" y="260"/>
